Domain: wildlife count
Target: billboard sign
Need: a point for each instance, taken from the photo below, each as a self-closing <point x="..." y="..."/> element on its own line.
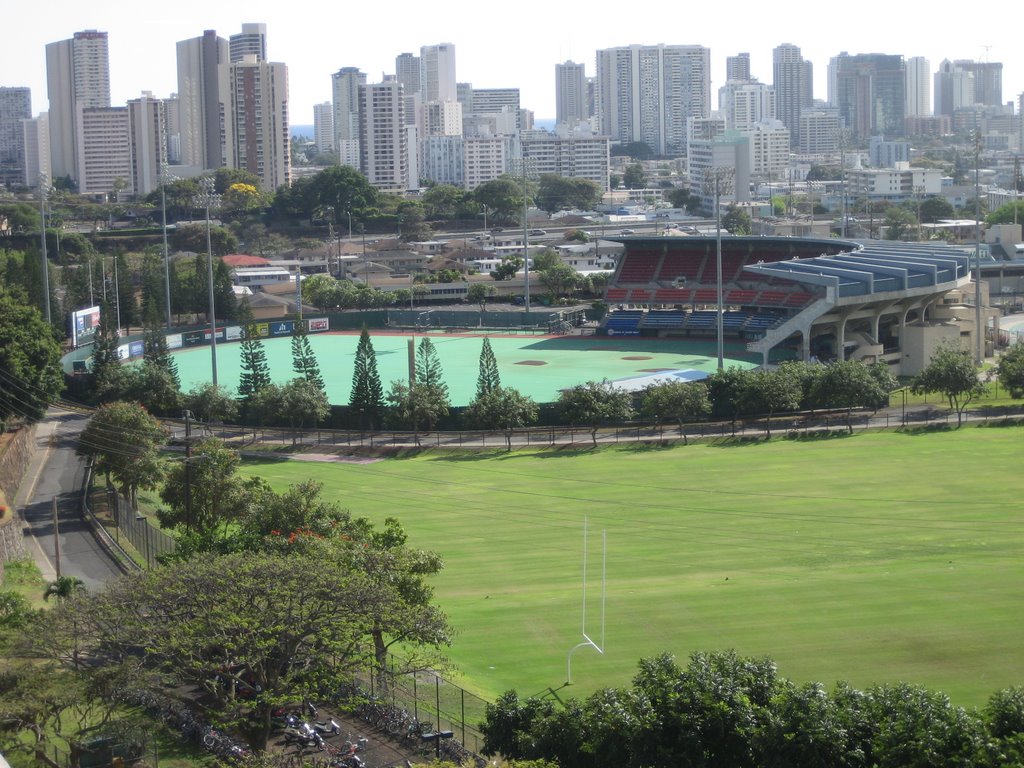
<point x="84" y="323"/>
<point x="283" y="328"/>
<point x="318" y="324"/>
<point x="136" y="349"/>
<point x="174" y="341"/>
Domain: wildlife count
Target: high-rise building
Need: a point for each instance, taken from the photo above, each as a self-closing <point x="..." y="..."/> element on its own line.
<point x="407" y="70"/>
<point x="323" y="127"/>
<point x="769" y="148"/>
<point x="570" y="94"/>
<point x="252" y="40"/>
<point x="441" y="118"/>
<point x="486" y="158"/>
<point x="260" y="118"/>
<point x="745" y="103"/>
<point x="77" y="77"/>
<point x="988" y="80"/>
<point x="793" y="80"/>
<point x="496" y="101"/>
<point x="15" y="108"/>
<point x="954" y="88"/>
<point x="919" y="87"/>
<point x="737" y="67"/>
<point x="103" y="152"/>
<point x="647" y="94"/>
<point x="384" y="147"/>
<point x="706" y="158"/>
<point x="575" y="157"/>
<point x="437" y="73"/>
<point x="204" y="103"/>
<point x="345" y="85"/>
<point x="442" y="159"/>
<point x="870" y="93"/>
<point x="819" y="131"/>
<point x="147" y="134"/>
<point x="36" y="132"/>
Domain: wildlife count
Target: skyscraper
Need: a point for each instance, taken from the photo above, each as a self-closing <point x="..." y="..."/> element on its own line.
<point x="647" y="93"/>
<point x="870" y="93"/>
<point x="37" y="149"/>
<point x="988" y="80"/>
<point x="383" y="138"/>
<point x="570" y="94"/>
<point x="745" y="103"/>
<point x="252" y="40"/>
<point x="437" y="73"/>
<point x="793" y="79"/>
<point x="204" y="104"/>
<point x="345" y="85"/>
<point x="147" y="133"/>
<point x="737" y="67"/>
<point x="323" y="127"/>
<point x="259" y="113"/>
<point x="407" y="70"/>
<point x="954" y="88"/>
<point x="103" y="151"/>
<point x="15" y="107"/>
<point x="77" y="77"/>
<point x="919" y="84"/>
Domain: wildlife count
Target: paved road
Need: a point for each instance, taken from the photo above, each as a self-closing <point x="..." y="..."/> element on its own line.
<point x="56" y="472"/>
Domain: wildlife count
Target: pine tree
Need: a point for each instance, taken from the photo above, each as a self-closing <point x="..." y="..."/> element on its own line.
<point x="428" y="367"/>
<point x="488" y="379"/>
<point x="104" y="344"/>
<point x="255" y="371"/>
<point x="155" y="346"/>
<point x="304" y="361"/>
<point x="367" y="393"/>
<point x="126" y="303"/>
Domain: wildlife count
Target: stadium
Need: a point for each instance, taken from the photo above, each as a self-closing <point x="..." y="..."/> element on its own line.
<point x="806" y="299"/>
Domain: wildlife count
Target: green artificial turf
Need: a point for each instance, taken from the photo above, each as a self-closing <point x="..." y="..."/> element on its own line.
<point x="873" y="558"/>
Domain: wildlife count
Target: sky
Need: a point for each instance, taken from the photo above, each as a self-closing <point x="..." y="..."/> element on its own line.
<point x="499" y="45"/>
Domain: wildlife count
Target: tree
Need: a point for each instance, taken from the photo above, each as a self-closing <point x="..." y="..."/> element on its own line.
<point x="367" y="398"/>
<point x="30" y="373"/>
<point x="428" y="366"/>
<point x="737" y="221"/>
<point x="443" y="201"/>
<point x="508" y="268"/>
<point x="503" y="196"/>
<point x="255" y="371"/>
<point x="935" y="208"/>
<point x="848" y="384"/>
<point x="123" y="441"/>
<point x="724" y="390"/>
<point x="63" y="587"/>
<point x="951" y="373"/>
<point x="412" y="222"/>
<point x="634" y="177"/>
<point x="337" y="192"/>
<point x="501" y="408"/>
<point x="203" y="494"/>
<point x="146" y="383"/>
<point x="559" y="279"/>
<point x="304" y="361"/>
<point x="1011" y="370"/>
<point x="898" y="223"/>
<point x="488" y="379"/>
<point x="304" y="402"/>
<point x="210" y="402"/>
<point x="416" y="406"/>
<point x="679" y="400"/>
<point x="766" y="392"/>
<point x="1005" y="214"/>
<point x="155" y="349"/>
<point x="594" y="403"/>
<point x="557" y="193"/>
<point x="679" y="197"/>
<point x="192" y="237"/>
<point x="479" y="293"/>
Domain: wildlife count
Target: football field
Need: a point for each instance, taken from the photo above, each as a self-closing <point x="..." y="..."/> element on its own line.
<point x="872" y="558"/>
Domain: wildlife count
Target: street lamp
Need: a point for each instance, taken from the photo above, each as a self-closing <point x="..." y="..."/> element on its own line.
<point x="208" y="198"/>
<point x="716" y="181"/>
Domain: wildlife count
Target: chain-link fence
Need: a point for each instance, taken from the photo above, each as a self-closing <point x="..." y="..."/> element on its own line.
<point x="150" y="542"/>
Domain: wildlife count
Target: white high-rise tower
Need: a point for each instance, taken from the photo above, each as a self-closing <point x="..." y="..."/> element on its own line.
<point x="919" y="87"/>
<point x="570" y="94"/>
<point x="437" y="73"/>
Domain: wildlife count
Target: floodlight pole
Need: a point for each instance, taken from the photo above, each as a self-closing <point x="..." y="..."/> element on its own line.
<point x="207" y="198"/>
<point x="167" y="255"/>
<point x="44" y="182"/>
<point x="979" y="329"/>
<point x="720" y="322"/>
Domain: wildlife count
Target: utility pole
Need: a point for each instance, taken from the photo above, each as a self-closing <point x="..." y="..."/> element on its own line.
<point x="43" y="184"/>
<point x="56" y="537"/>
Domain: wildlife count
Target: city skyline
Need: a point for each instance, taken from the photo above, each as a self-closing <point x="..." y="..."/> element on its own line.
<point x="515" y="51"/>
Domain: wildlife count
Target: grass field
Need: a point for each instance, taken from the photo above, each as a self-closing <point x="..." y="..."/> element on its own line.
<point x="538" y="366"/>
<point x="873" y="558"/>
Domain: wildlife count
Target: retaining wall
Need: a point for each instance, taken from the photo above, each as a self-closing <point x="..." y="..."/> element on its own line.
<point x="14" y="459"/>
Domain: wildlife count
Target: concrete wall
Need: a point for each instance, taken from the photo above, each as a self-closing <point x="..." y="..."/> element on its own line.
<point x="13" y="462"/>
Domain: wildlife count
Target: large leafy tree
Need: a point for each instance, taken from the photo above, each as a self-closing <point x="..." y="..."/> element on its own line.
<point x="556" y="193"/>
<point x="848" y="384"/>
<point x="765" y="393"/>
<point x="503" y="408"/>
<point x="30" y="372"/>
<point x="203" y="493"/>
<point x="488" y="379"/>
<point x="124" y="441"/>
<point x="479" y="293"/>
<point x="147" y="383"/>
<point x="1011" y="370"/>
<point x="416" y="406"/>
<point x="594" y="403"/>
<point x="559" y="279"/>
<point x="303" y="403"/>
<point x="367" y="398"/>
<point x="680" y="401"/>
<point x="338" y="191"/>
<point x="210" y="402"/>
<point x="952" y="374"/>
<point x="503" y="196"/>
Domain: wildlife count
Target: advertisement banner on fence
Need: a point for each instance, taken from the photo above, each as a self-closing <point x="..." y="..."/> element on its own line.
<point x="262" y="330"/>
<point x="234" y="332"/>
<point x="318" y="324"/>
<point x="284" y="328"/>
<point x="136" y="349"/>
<point x="123" y="353"/>
<point x="192" y="338"/>
<point x="174" y="341"/>
<point x="220" y="335"/>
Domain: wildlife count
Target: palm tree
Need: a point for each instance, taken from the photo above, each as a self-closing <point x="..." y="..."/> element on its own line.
<point x="63" y="588"/>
